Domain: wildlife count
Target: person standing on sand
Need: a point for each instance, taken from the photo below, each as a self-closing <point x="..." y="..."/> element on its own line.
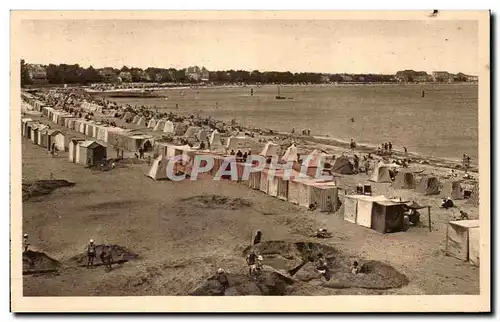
<point x="91" y="253"/>
<point x="222" y="278"/>
<point x="390" y="147"/>
<point x="25" y="242"/>
<point x="252" y="262"/>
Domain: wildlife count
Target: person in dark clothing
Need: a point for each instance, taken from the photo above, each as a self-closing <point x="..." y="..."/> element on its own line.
<point x="232" y="152"/>
<point x="406" y="150"/>
<point x="257" y="238"/>
<point x="252" y="262"/>
<point x="447" y="203"/>
<point x="386" y="147"/>
<point x="91" y="253"/>
<point x="141" y="153"/>
<point x="245" y="156"/>
<point x="322" y="267"/>
<point x="239" y="154"/>
<point x="222" y="278"/>
<point x="202" y="145"/>
<point x="390" y="146"/>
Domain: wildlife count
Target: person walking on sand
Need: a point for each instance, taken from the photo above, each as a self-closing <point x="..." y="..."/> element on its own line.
<point x="91" y="253"/>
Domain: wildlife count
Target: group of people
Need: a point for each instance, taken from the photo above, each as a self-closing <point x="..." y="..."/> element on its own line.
<point x="241" y="156"/>
<point x="106" y="255"/>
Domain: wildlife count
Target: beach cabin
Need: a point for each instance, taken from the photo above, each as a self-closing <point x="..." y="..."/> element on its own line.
<point x="375" y="212"/>
<point x="56" y="137"/>
<point x="321" y="192"/>
<point x="74" y="151"/>
<point x="462" y="240"/>
<point x="24" y="125"/>
<point x="91" y="153"/>
<point x="254" y="180"/>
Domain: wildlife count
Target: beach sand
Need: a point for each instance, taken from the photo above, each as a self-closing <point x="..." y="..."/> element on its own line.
<point x="181" y="243"/>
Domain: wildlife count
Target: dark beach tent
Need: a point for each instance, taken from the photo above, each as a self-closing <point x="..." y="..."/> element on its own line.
<point x="453" y="190"/>
<point x="404" y="180"/>
<point x="474" y="197"/>
<point x="343" y="166"/>
<point x="429" y="185"/>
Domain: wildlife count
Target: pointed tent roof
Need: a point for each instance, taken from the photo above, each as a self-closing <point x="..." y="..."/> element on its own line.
<point x="169" y="127"/>
<point x="269" y="150"/>
<point x="315" y="158"/>
<point x="343" y="165"/>
<point x="291" y="154"/>
<point x="415" y="205"/>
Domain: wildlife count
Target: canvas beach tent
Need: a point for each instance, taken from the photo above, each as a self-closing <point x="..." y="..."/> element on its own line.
<point x="160" y="125"/>
<point x="202" y="135"/>
<point x="462" y="240"/>
<point x="381" y="174"/>
<point x="269" y="150"/>
<point x="404" y="180"/>
<point x="453" y="190"/>
<point x="141" y="121"/>
<point x="291" y="154"/>
<point x="152" y="123"/>
<point x="158" y="170"/>
<point x="236" y="143"/>
<point x="136" y="119"/>
<point x="428" y="185"/>
<point x="474" y="197"/>
<point x="169" y="127"/>
<point x="342" y="165"/>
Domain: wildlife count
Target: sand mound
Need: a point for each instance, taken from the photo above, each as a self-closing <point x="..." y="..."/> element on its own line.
<point x="38" y="262"/>
<point x="120" y="255"/>
<point x="268" y="283"/>
<point x="298" y="259"/>
<point x="42" y="187"/>
<point x="216" y="201"/>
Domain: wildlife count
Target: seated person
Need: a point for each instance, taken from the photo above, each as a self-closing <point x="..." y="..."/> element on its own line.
<point x="313" y="206"/>
<point x="447" y="203"/>
<point x="355" y="268"/>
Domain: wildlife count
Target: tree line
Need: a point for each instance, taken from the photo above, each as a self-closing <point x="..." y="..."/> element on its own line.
<point x="75" y="74"/>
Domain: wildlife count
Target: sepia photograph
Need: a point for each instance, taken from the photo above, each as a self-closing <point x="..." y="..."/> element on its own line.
<point x="163" y="159"/>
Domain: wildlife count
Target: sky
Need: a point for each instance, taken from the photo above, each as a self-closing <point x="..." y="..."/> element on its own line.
<point x="325" y="46"/>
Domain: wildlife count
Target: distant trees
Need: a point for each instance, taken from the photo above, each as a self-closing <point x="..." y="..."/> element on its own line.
<point x="75" y="74"/>
<point x="25" y="76"/>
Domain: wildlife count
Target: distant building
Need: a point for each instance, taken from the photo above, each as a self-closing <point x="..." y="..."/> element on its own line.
<point x="126" y="77"/>
<point x="109" y="75"/>
<point x="198" y="74"/>
<point x="442" y="77"/>
<point x="347" y="78"/>
<point x="409" y="75"/>
<point x="472" y="79"/>
<point x="37" y="74"/>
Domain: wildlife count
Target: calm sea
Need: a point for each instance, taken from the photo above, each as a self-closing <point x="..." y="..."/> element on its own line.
<point x="442" y="124"/>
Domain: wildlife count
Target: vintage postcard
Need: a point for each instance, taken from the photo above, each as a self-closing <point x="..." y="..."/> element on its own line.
<point x="250" y="161"/>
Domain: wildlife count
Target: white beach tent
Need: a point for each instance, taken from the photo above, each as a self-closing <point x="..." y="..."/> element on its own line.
<point x="152" y="123"/>
<point x="141" y="121"/>
<point x="215" y="141"/>
<point x="169" y="127"/>
<point x="236" y="142"/>
<point x="270" y="149"/>
<point x="160" y="125"/>
<point x="158" y="170"/>
<point x="291" y="154"/>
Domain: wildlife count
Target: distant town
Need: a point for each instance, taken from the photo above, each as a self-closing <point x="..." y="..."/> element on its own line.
<point x="37" y="74"/>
